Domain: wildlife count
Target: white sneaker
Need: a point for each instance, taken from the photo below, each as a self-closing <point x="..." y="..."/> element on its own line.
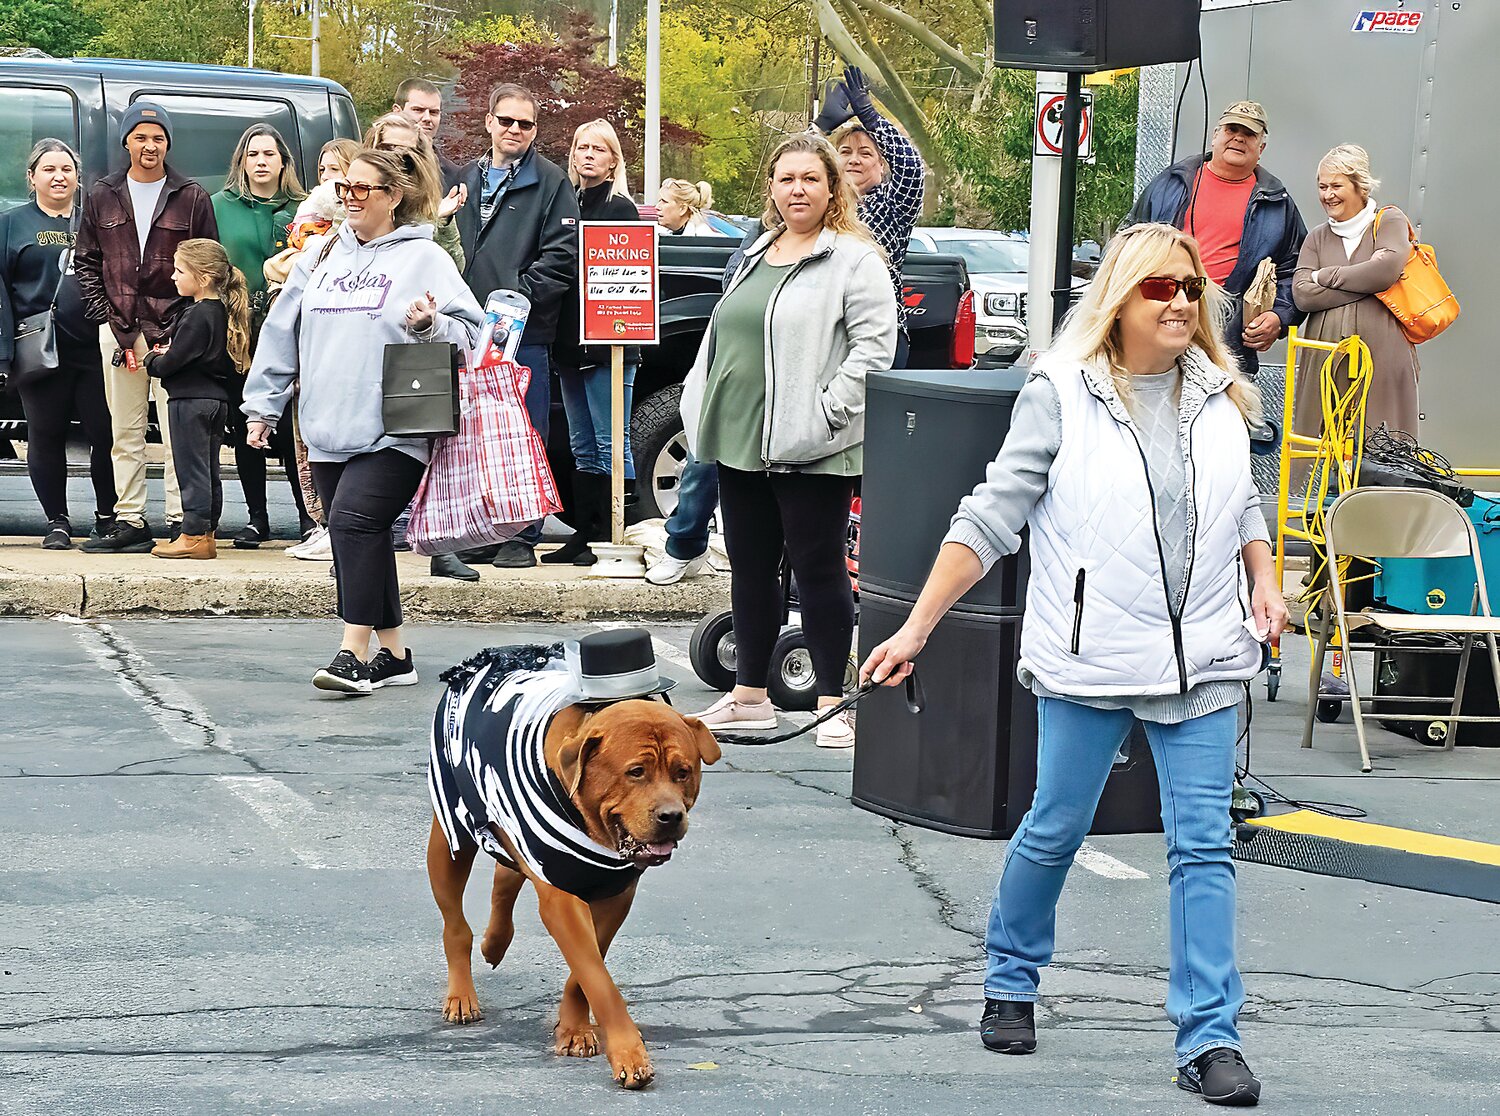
<point x="836" y="732"/>
<point x="669" y="571"/>
<point x="318" y="547"/>
<point x="726" y="714"/>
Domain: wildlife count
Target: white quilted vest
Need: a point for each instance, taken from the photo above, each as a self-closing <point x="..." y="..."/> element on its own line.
<point x="1098" y="621"/>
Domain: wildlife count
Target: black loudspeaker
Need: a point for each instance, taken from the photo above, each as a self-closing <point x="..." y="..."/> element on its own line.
<point x="928" y="437"/>
<point x="1090" y="35"/>
<point x="966" y="764"/>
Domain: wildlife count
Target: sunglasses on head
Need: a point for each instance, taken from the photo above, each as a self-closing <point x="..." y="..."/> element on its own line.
<point x="1159" y="288"/>
<point x="508" y="122"/>
<point x="359" y="191"/>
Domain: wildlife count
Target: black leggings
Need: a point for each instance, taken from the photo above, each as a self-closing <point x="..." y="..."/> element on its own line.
<point x="250" y="463"/>
<point x="808" y="515"/>
<point x="362" y="498"/>
<point x="76" y="385"/>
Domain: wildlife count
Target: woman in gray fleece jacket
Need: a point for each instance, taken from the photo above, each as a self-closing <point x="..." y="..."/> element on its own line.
<point x="1152" y="587"/>
<point x="382" y="282"/>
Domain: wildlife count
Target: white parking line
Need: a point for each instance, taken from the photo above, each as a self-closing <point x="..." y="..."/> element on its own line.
<point x="1102" y="864"/>
<point x="290" y="816"/>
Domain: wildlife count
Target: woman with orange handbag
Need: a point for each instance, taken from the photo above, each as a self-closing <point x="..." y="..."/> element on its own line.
<point x="1345" y="264"/>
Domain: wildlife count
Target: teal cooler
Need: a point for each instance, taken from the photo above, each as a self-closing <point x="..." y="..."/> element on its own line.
<point x="1445" y="585"/>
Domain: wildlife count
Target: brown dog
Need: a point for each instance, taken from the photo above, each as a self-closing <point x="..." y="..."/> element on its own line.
<point x="631" y="771"/>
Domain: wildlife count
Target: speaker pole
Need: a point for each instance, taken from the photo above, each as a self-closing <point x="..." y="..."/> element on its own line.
<point x="1067" y="200"/>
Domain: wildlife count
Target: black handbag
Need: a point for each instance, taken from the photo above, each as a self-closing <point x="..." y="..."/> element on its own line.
<point x="35" y="341"/>
<point x="419" y="387"/>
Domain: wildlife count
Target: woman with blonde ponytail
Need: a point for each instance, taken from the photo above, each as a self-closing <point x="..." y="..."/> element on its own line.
<point x="208" y="352"/>
<point x="1151" y="597"/>
<point x="681" y="206"/>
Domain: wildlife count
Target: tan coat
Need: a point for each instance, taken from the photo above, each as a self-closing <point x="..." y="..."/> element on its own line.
<point x="1343" y="302"/>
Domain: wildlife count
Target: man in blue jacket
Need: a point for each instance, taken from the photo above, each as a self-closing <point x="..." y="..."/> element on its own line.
<point x="1240" y="214"/>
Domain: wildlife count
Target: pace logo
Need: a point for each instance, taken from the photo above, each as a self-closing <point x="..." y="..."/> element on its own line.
<point x="1399" y="23"/>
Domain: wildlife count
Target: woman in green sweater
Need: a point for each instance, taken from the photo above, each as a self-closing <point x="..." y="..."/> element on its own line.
<point x="259" y="199"/>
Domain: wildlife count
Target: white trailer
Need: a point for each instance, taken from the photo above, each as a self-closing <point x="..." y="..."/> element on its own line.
<point x="1413" y="82"/>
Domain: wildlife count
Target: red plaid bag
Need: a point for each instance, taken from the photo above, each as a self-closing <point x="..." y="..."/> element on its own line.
<point x="488" y="481"/>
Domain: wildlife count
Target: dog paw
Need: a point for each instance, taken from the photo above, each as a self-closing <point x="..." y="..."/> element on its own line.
<point x="493" y="946"/>
<point x="575" y="1041"/>
<point x="632" y="1067"/>
<point x="462" y="1006"/>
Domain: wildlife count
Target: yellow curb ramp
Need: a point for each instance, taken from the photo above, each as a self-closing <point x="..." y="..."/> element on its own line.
<point x="266" y="582"/>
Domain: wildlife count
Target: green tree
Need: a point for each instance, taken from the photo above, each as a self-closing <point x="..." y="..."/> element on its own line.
<point x="171" y="30"/>
<point x="58" y="27"/>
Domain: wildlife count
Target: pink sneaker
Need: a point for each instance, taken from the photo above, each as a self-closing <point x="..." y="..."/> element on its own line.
<point x="836" y="732"/>
<point x="728" y="715"/>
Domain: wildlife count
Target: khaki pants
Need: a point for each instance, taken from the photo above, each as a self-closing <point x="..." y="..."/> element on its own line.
<point x="129" y="395"/>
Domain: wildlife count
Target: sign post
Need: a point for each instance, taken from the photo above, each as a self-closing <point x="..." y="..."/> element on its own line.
<point x="620" y="299"/>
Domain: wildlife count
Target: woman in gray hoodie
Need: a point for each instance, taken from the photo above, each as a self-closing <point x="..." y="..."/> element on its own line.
<point x="382" y="281"/>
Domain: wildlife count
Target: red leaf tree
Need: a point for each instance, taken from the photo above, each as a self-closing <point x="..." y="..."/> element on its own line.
<point x="572" y="86"/>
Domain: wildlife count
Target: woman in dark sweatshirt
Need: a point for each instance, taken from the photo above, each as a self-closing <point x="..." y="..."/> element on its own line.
<point x="36" y="271"/>
<point x="596" y="166"/>
<point x="210" y="347"/>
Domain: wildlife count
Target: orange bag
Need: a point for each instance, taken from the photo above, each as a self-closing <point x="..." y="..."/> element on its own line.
<point x="1421" y="298"/>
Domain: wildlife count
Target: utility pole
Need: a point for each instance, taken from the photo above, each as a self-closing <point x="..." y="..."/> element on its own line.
<point x="813" y="65"/>
<point x="652" y="184"/>
<point x="614" y="33"/>
<point x="250" y="39"/>
<point x="317" y="34"/>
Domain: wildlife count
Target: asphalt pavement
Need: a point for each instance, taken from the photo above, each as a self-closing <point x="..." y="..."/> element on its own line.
<point x="215" y="902"/>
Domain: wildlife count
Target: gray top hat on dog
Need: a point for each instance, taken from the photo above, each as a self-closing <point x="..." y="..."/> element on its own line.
<point x="614" y="666"/>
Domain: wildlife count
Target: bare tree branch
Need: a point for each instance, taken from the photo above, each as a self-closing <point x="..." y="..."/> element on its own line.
<point x="836" y="33"/>
<point x="924" y="35"/>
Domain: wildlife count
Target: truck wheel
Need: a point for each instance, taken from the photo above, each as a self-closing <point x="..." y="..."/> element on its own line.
<point x="660" y="449"/>
<point x="792" y="685"/>
<point x="711" y="650"/>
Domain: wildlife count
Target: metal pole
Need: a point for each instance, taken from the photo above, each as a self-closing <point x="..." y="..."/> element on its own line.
<point x="317" y="69"/>
<point x="652" y="184"/>
<point x="1062" y="275"/>
<point x="250" y="39"/>
<point x="617" y="444"/>
<point x="614" y="33"/>
<point x="815" y="66"/>
<point x="1045" y="170"/>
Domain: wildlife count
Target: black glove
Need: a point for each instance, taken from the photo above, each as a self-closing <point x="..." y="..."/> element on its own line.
<point x="836" y="108"/>
<point x="857" y="89"/>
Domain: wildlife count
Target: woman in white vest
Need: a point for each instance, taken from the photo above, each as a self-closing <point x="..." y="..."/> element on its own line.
<point x="1129" y="460"/>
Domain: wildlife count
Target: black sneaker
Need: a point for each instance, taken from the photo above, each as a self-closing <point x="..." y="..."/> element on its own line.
<point x="514" y="555"/>
<point x="103" y="525"/>
<point x="123" y="538"/>
<point x="1008" y="1026"/>
<point x="387" y="670"/>
<point x="1220" y="1076"/>
<point x="345" y="675"/>
<point x="174" y="530"/>
<point x="59" y="536"/>
<point x="252" y="535"/>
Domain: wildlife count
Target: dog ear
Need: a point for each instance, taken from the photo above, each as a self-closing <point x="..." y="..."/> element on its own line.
<point x="708" y="747"/>
<point x="574" y="756"/>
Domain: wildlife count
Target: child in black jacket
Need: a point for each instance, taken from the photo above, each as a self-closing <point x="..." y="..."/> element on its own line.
<point x="210" y="343"/>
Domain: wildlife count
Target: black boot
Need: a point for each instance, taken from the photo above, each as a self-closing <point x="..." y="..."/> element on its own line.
<point x="448" y="565"/>
<point x="585" y="515"/>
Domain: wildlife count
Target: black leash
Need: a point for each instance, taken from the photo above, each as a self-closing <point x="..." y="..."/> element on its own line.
<point x="915" y="700"/>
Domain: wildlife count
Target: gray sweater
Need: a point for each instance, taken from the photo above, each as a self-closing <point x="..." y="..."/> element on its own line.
<point x="989" y="520"/>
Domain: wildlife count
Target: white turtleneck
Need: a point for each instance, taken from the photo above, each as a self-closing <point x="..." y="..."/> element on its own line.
<point x="1352" y="231"/>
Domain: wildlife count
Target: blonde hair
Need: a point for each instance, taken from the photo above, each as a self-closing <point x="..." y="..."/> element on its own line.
<point x="344" y="150"/>
<point x="694" y="198"/>
<point x="209" y="262"/>
<point x="1092" y="332"/>
<point x="842" y="215"/>
<point x="413" y="171"/>
<point x="1352" y="161"/>
<point x="854" y="127"/>
<point x="602" y="129"/>
<point x="288" y="186"/>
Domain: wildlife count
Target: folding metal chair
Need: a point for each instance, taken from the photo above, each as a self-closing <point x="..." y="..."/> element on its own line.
<point x="1380" y="523"/>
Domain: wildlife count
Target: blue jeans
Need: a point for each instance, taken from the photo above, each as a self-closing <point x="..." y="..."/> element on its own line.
<point x="1195" y="768"/>
<point x="697" y="496"/>
<point x="538" y="408"/>
<point x="586" y="397"/>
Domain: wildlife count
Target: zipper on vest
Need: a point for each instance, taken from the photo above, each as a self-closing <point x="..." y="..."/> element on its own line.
<point x="1161" y="558"/>
<point x="1078" y="611"/>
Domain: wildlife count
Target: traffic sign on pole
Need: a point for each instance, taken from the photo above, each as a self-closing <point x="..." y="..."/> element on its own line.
<point x="1047" y="136"/>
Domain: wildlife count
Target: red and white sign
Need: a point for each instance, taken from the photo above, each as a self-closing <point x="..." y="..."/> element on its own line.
<point x="619" y="286"/>
<point x="1388" y="22"/>
<point x="1048" y="136"/>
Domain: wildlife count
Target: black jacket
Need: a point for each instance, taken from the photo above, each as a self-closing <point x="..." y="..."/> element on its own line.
<point x="197" y="366"/>
<point x="529" y="244"/>
<point x="596" y="204"/>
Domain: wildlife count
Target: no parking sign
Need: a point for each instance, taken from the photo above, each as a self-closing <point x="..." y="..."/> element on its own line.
<point x="1046" y="137"/>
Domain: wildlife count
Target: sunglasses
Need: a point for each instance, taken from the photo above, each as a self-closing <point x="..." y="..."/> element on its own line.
<point x="508" y="122"/>
<point x="359" y="191"/>
<point x="1159" y="288"/>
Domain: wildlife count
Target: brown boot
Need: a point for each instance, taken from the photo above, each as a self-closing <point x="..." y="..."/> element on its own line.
<point x="187" y="546"/>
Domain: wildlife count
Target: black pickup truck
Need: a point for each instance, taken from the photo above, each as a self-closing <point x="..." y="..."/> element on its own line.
<point x="940" y="318"/>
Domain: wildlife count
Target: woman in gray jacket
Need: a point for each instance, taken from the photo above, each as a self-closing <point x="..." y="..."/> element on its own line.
<point x="1152" y="587"/>
<point x="777" y="398"/>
